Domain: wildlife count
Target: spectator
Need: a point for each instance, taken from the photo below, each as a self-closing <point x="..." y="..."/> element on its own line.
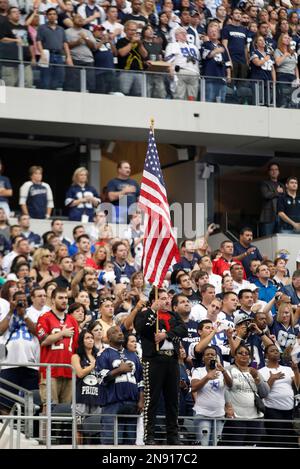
<point x="4" y="225"/>
<point x="237" y="273"/>
<point x="20" y="246"/>
<point x="104" y="56"/>
<point x="36" y="199"/>
<point x="221" y="265"/>
<point x="96" y="329"/>
<point x="244" y="251"/>
<point x="283" y="329"/>
<point x="112" y="26"/>
<point x="287" y="72"/>
<point x="52" y="37"/>
<point x="208" y="294"/>
<point x="5" y="190"/>
<point x="185" y="285"/>
<point x="81" y="199"/>
<point x="87" y="378"/>
<point x="271" y="190"/>
<point x="281" y="277"/>
<point x="227" y="286"/>
<point x="66" y="270"/>
<point x="92" y="13"/>
<point x="206" y="333"/>
<point x="65" y="19"/>
<point x="131" y="54"/>
<point x="184" y="59"/>
<point x="234" y="39"/>
<point x="33" y="239"/>
<point x="123" y="193"/>
<point x="182" y="306"/>
<point x="59" y="329"/>
<point x="18" y="335"/>
<point x="15" y="34"/>
<point x="135" y="16"/>
<point x="99" y="221"/>
<point x="245" y="297"/>
<point x="155" y="83"/>
<point x="106" y="320"/>
<point x="215" y="63"/>
<point x="229" y="306"/>
<point x="205" y="264"/>
<point x="261" y="63"/>
<point x="121" y="388"/>
<point x="123" y="270"/>
<point x="57" y="228"/>
<point x="208" y="384"/>
<point x="161" y="369"/>
<point x="253" y="268"/>
<point x="79" y="313"/>
<point x="267" y="289"/>
<point x="289" y="207"/>
<point x="189" y="257"/>
<point x="293" y="290"/>
<point x="98" y="259"/>
<point x="40" y="271"/>
<point x="279" y="403"/>
<point x="81" y="44"/>
<point x="246" y="381"/>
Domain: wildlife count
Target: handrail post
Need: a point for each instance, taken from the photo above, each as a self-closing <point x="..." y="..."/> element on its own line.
<point x="48" y="406"/>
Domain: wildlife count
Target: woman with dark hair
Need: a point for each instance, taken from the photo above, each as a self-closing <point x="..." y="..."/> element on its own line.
<point x="8" y="290"/>
<point x="279" y="403"/>
<point x="163" y="30"/>
<point x="17" y="260"/>
<point x="78" y="311"/>
<point x="96" y="329"/>
<point x="87" y="385"/>
<point x="208" y="384"/>
<point x="241" y="402"/>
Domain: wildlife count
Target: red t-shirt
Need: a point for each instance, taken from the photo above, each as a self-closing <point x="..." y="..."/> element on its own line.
<point x="221" y="266"/>
<point x="62" y="350"/>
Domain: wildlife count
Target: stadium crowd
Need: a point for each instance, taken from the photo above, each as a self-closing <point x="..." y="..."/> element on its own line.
<point x="219" y="39"/>
<point x="229" y="320"/>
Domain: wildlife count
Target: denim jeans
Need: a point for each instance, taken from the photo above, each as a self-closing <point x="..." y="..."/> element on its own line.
<point x="215" y="91"/>
<point x="126" y="426"/>
<point x="52" y="77"/>
<point x="206" y="428"/>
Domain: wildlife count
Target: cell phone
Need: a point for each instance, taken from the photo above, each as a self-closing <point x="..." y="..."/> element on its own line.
<point x="212" y="364"/>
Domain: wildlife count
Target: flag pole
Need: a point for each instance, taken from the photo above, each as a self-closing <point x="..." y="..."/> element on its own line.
<point x="155" y="287"/>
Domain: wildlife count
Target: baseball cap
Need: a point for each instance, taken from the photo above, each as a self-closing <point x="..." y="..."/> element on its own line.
<point x="239" y="318"/>
<point x="253" y="287"/>
<point x="98" y="27"/>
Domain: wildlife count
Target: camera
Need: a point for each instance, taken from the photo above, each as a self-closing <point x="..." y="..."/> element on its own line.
<point x="20" y="304"/>
<point x="212" y="364"/>
<point x="27" y="279"/>
<point x="191" y="59"/>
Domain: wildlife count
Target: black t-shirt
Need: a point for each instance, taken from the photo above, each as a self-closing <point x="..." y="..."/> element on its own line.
<point x="153" y="49"/>
<point x="291" y="207"/>
<point x="13" y="31"/>
<point x="61" y="18"/>
<point x="131" y="61"/>
<point x="139" y="19"/>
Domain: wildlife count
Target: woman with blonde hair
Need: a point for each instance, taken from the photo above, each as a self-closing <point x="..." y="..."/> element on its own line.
<point x="40" y="272"/>
<point x="81" y="198"/>
<point x="99" y="257"/>
<point x="283" y="329"/>
<point x="286" y="61"/>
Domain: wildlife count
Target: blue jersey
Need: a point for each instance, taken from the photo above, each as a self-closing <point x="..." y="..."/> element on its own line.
<point x="261" y="72"/>
<point x="77" y="192"/>
<point x="214" y="66"/>
<point x="257" y="349"/>
<point x="124" y="387"/>
<point x="117" y="185"/>
<point x="255" y="255"/>
<point x="237" y="41"/>
<point x="87" y="388"/>
<point x="192" y="327"/>
<point x="285" y="336"/>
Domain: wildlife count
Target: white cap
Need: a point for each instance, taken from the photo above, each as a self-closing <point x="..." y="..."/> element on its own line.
<point x="240" y="317"/>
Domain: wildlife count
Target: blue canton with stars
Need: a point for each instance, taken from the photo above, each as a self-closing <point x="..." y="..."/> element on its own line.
<point x="152" y="163"/>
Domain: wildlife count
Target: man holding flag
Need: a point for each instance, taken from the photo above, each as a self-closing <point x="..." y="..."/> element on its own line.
<point x="159" y="328"/>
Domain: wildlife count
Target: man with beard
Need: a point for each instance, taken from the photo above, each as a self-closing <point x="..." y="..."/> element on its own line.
<point x="86" y="279"/>
<point x="58" y="336"/>
<point x="160" y="363"/>
<point x="121" y="388"/>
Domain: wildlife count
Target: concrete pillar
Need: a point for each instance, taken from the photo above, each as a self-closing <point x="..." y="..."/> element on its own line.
<point x="94" y="160"/>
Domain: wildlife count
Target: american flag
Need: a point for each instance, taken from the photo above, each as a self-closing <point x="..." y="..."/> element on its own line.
<point x="160" y="247"/>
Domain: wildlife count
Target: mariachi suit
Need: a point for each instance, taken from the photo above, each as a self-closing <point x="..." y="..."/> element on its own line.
<point x="160" y="368"/>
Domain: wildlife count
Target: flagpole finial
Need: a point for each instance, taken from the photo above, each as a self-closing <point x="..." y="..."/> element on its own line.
<point x="152" y="124"/>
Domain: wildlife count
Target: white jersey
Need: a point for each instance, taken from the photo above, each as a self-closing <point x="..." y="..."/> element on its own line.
<point x="184" y="55"/>
<point x="210" y="399"/>
<point x="281" y="395"/>
<point x="198" y="313"/>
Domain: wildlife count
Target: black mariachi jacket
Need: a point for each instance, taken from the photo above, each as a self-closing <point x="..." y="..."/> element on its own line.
<point x="145" y="325"/>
